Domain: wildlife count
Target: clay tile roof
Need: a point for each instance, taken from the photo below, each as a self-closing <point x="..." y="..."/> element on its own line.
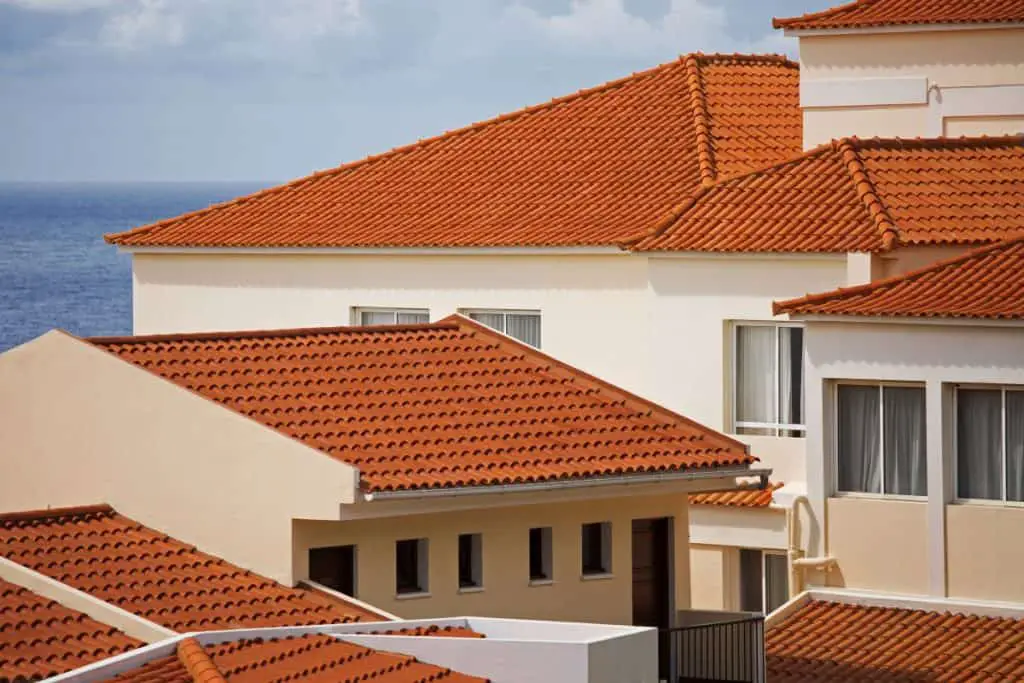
<point x="432" y="630"/>
<point x="858" y="195"/>
<point x="741" y="498"/>
<point x="446" y="404"/>
<point x="983" y="283"/>
<point x="40" y="638"/>
<point x="826" y="641"/>
<point x="302" y="658"/>
<point x="588" y="169"/>
<point x="872" y="13"/>
<point x="115" y="559"/>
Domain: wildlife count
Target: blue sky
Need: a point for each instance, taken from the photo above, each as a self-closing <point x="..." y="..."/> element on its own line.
<point x="114" y="90"/>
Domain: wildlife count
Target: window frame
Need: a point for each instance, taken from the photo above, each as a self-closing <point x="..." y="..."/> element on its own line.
<point x="606" y="569"/>
<point x="881" y="384"/>
<point x="504" y="313"/>
<point x="546" y="556"/>
<point x="475" y="543"/>
<point x="955" y="442"/>
<point x="777" y="427"/>
<point x="395" y="311"/>
<point x="763" y="554"/>
<point x="422" y="568"/>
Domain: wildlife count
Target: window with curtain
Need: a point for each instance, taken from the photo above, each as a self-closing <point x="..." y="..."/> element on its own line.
<point x="768" y="383"/>
<point x="391" y="316"/>
<point x="521" y="325"/>
<point x="881" y="439"/>
<point x="990" y="444"/>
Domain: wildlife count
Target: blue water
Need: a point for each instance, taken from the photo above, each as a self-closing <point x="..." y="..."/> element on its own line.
<point x="55" y="268"/>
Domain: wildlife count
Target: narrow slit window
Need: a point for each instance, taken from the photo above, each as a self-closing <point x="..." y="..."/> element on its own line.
<point x="540" y="554"/>
<point x="596" y="544"/>
<point x="411" y="564"/>
<point x="471" y="570"/>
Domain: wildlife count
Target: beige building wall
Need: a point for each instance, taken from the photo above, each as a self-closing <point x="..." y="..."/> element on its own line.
<point x="881" y="545"/>
<point x="505" y="531"/>
<point x="911" y="84"/>
<point x="79" y="426"/>
<point x="714" y="577"/>
<point x="986" y="552"/>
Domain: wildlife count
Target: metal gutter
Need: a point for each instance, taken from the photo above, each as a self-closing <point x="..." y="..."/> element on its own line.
<point x="899" y="28"/>
<point x="656" y="478"/>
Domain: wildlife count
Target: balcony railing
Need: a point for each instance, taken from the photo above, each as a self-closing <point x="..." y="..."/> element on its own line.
<point x="714" y="646"/>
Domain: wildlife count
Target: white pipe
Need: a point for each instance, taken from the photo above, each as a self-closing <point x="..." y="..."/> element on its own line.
<point x="795" y="555"/>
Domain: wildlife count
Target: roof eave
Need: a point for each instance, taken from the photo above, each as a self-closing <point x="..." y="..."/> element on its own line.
<point x="581" y="250"/>
<point x="963" y="321"/>
<point x="898" y="28"/>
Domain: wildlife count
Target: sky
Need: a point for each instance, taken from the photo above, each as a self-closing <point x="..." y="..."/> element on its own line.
<point x="267" y="90"/>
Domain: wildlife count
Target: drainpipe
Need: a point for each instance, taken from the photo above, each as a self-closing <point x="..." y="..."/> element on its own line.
<point x="795" y="554"/>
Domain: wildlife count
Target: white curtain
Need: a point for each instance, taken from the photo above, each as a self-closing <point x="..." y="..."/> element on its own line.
<point x="979" y="431"/>
<point x="495" y="321"/>
<point x="859" y="457"/>
<point x="377" y="317"/>
<point x="791" y="384"/>
<point x="903" y="426"/>
<point x="776" y="581"/>
<point x="1015" y="445"/>
<point x="412" y="318"/>
<point x="525" y="327"/>
<point x="756" y="354"/>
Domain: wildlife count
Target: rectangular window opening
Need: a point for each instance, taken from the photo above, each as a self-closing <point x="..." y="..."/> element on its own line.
<point x="411" y="563"/>
<point x="540" y="554"/>
<point x="334" y="567"/>
<point x="597" y="548"/>
<point x="471" y="573"/>
<point x="990" y="444"/>
<point x="521" y="325"/>
<point x="764" y="581"/>
<point x="390" y="316"/>
<point x="768" y="383"/>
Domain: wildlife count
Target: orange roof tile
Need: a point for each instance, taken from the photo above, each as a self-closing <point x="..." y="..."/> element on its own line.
<point x="983" y="283"/>
<point x="432" y="630"/>
<point x="302" y="658"/>
<point x="438" y="405"/>
<point x="40" y="638"/>
<point x="740" y="498"/>
<point x="871" y="13"/>
<point x="858" y="195"/>
<point x="591" y="168"/>
<point x="115" y="559"/>
<point x="825" y="641"/>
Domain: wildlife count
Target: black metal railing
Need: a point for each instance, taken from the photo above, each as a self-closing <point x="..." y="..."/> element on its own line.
<point x="714" y="646"/>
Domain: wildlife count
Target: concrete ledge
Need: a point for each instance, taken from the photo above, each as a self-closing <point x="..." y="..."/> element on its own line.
<point x="981" y="608"/>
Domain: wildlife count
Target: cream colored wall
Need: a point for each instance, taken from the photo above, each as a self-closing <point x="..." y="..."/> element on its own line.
<point x="984" y="125"/>
<point x="79" y="426"/>
<point x="985" y="552"/>
<point x="505" y="531"/>
<point x="714" y="577"/>
<point x="950" y="59"/>
<point x="880" y="544"/>
<point x="905" y="259"/>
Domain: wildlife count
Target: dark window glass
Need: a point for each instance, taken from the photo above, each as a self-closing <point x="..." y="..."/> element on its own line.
<point x="334" y="567"/>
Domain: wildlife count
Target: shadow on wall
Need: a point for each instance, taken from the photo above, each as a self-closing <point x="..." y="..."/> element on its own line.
<point x="746" y="277"/>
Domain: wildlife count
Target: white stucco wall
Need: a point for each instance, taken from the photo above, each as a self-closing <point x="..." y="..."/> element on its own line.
<point x="937" y="356"/>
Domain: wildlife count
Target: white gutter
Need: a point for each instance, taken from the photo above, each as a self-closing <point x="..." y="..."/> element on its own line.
<point x="901" y="28"/>
<point x="957" y="321"/>
<point x="562" y="484"/>
<point x="382" y="251"/>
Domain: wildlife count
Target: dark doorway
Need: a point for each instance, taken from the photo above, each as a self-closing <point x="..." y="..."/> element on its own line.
<point x="334" y="567"/>
<point x="651" y="587"/>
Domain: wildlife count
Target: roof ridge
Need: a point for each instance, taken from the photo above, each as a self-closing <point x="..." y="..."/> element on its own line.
<point x="266" y="334"/>
<point x="56" y="513"/>
<point x="786" y="22"/>
<point x="198" y="663"/>
<point x="779" y="307"/>
<point x="576" y="374"/>
<point x="701" y="121"/>
<point x="867" y="192"/>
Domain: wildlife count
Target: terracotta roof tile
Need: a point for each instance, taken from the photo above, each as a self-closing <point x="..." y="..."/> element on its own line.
<point x="984" y="283"/>
<point x="40" y="638"/>
<point x="741" y="498"/>
<point x="303" y="658"/>
<point x="433" y="630"/>
<point x="858" y="195"/>
<point x="871" y="13"/>
<point x="143" y="571"/>
<point x="591" y="168"/>
<point x="825" y="641"/>
<point x="436" y="405"/>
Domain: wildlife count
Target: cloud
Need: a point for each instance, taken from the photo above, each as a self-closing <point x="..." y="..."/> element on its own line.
<point x="148" y="23"/>
<point x="60" y="6"/>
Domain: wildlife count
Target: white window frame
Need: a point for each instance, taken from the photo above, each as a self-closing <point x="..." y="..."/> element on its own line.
<point x="777" y="427"/>
<point x="881" y="384"/>
<point x="504" y="313"/>
<point x="357" y="313"/>
<point x="476" y="562"/>
<point x="1003" y="389"/>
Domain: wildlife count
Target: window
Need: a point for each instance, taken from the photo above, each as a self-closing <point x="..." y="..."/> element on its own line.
<point x="990" y="444"/>
<point x="411" y="566"/>
<point x="768" y="384"/>
<point x="764" y="581"/>
<point x="881" y="445"/>
<point x="521" y="325"/>
<point x="391" y="316"/>
<point x="471" y="570"/>
<point x="597" y="548"/>
<point x="334" y="567"/>
<point x="540" y="554"/>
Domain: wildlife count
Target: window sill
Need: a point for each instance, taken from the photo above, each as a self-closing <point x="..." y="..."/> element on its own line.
<point x="541" y="582"/>
<point x="604" y="576"/>
<point x="412" y="596"/>
<point x="471" y="589"/>
<point x="880" y="496"/>
<point x="987" y="503"/>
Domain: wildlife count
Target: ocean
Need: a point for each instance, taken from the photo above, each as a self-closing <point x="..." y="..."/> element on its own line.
<point x="55" y="268"/>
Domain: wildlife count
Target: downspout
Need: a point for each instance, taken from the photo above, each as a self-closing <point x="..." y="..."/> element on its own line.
<point x="797" y="561"/>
